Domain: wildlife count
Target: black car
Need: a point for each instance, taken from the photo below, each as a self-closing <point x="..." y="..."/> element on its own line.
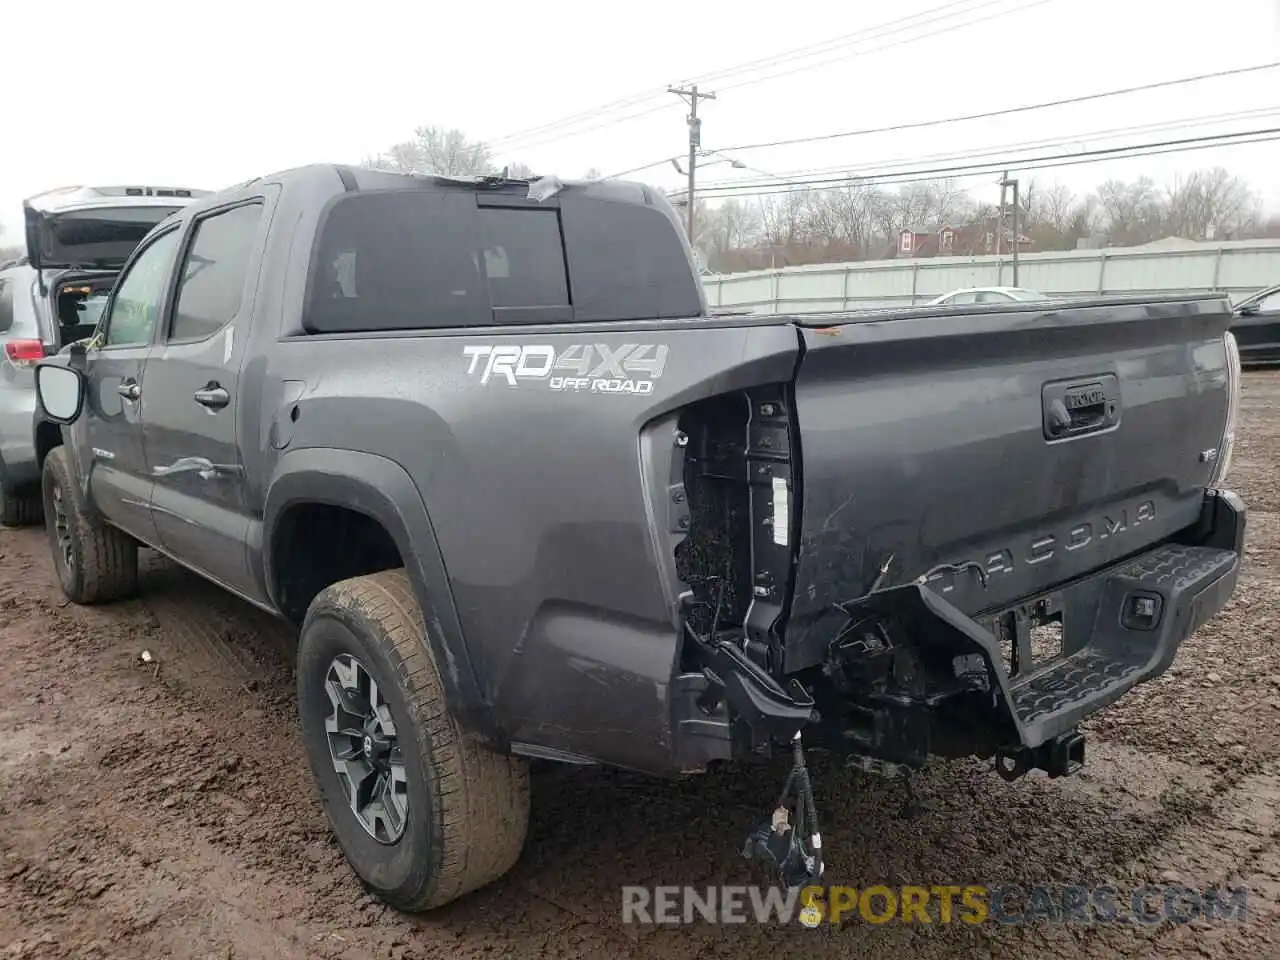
<point x="1257" y="326"/>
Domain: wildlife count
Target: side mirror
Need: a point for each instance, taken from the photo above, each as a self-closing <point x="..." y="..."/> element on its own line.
<point x="61" y="392"/>
<point x="1249" y="310"/>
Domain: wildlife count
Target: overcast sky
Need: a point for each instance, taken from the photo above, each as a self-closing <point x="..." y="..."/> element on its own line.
<point x="206" y="95"/>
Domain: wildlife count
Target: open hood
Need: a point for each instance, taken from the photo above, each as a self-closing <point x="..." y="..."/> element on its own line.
<point x="96" y="227"/>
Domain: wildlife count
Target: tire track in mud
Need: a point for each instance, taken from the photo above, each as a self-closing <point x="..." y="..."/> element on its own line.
<point x="245" y="812"/>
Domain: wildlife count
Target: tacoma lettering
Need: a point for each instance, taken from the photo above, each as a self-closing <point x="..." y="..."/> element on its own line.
<point x="1045" y="546"/>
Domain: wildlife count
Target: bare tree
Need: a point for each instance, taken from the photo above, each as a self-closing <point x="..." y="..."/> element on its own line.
<point x="435" y="150"/>
<point x="846" y="218"/>
<point x="951" y="203"/>
<point x="784" y="218"/>
<point x="1057" y="207"/>
<point x="733" y="225"/>
<point x="863" y="221"/>
<point x="1131" y="211"/>
<point x="520" y="171"/>
<point x="1210" y="203"/>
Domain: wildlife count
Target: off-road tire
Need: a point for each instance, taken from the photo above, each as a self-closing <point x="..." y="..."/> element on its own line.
<point x="20" y="509"/>
<point x="104" y="560"/>
<point x="468" y="807"/>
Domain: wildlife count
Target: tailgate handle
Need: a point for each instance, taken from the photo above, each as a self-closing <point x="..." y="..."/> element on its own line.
<point x="1075" y="407"/>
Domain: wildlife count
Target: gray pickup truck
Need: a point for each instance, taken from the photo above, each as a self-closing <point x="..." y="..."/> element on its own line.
<point x="526" y="498"/>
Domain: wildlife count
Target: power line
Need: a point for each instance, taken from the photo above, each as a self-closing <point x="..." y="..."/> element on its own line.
<point x="834" y="43"/>
<point x="1002" y="150"/>
<point x="571" y="119"/>
<point x="1007" y="111"/>
<point x="646" y="166"/>
<point x="738" y="164"/>
<point x="734" y="161"/>
<point x="745" y="66"/>
<point x="994" y="167"/>
<point x="984" y="169"/>
<point x="547" y="132"/>
<point x="897" y="43"/>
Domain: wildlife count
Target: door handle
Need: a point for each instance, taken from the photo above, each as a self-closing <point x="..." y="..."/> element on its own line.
<point x="212" y="396"/>
<point x="129" y="389"/>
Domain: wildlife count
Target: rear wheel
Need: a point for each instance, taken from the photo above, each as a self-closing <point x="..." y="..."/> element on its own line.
<point x="422" y="814"/>
<point x="95" y="562"/>
<point x="20" y="508"/>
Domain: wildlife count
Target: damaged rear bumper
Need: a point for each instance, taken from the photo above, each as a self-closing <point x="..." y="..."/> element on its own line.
<point x="911" y="677"/>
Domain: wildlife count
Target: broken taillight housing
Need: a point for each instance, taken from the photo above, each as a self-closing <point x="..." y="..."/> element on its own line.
<point x="24" y="353"/>
<point x="1228" y="444"/>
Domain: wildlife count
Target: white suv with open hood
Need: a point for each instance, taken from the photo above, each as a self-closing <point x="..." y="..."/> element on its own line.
<point x="78" y="238"/>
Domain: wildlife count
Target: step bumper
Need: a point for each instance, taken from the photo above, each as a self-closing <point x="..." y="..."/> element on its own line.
<point x="1125" y="624"/>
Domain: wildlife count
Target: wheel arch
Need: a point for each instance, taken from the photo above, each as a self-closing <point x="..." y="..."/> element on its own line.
<point x="383" y="491"/>
<point x="48" y="435"/>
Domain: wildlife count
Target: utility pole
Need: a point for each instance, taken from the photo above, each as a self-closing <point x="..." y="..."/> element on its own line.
<point x="692" y="96"/>
<point x="1000" y="216"/>
<point x="1006" y="182"/>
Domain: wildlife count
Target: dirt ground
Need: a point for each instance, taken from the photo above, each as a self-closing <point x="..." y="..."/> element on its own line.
<point x="165" y="810"/>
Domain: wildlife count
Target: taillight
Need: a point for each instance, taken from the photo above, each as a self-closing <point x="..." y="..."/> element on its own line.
<point x="24" y="353"/>
<point x="1228" y="444"/>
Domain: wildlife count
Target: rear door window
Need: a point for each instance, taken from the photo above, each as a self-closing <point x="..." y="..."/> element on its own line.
<point x="213" y="274"/>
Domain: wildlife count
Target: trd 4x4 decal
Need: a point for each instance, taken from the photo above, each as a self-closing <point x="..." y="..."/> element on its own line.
<point x="580" y="368"/>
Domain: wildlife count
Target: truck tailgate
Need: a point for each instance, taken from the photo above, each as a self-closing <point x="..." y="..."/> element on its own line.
<point x="1037" y="442"/>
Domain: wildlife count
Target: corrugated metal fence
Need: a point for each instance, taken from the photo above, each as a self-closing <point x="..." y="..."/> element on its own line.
<point x="1235" y="268"/>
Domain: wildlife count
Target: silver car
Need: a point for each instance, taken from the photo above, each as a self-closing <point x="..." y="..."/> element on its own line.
<point x="987" y="295"/>
<point x="77" y="240"/>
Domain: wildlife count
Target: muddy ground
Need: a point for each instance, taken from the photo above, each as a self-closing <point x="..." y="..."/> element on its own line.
<point x="165" y="810"/>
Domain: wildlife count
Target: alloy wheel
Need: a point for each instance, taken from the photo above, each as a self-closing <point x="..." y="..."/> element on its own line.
<point x="365" y="750"/>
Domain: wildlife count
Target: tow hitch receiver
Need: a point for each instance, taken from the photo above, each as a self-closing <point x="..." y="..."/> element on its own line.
<point x="1059" y="757"/>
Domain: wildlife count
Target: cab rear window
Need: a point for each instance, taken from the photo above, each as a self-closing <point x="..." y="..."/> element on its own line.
<point x="430" y="259"/>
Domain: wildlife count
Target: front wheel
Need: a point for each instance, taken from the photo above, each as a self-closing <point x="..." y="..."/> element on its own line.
<point x="95" y="562"/>
<point x="422" y="814"/>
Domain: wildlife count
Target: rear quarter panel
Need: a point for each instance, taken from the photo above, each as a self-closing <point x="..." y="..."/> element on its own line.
<point x="547" y="499"/>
